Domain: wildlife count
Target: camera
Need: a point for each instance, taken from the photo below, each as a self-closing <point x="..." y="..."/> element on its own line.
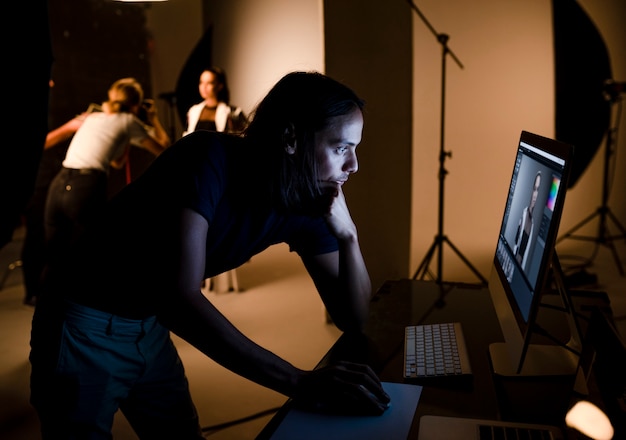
<point x="144" y="108"/>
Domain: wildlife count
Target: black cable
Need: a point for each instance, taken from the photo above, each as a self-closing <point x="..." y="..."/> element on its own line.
<point x="214" y="428"/>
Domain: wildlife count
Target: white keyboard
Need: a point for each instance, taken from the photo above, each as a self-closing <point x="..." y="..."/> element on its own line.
<point x="435" y="350"/>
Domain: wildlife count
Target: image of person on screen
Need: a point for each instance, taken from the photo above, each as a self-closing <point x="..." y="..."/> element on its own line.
<point x="526" y="226"/>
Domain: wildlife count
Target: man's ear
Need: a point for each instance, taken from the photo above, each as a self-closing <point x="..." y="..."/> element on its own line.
<point x="289" y="137"/>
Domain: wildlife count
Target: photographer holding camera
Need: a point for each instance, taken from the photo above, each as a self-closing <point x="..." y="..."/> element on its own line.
<point x="102" y="139"/>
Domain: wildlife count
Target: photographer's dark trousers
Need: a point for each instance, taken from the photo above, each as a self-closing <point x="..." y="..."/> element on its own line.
<point x="75" y="199"/>
<point x="87" y="364"/>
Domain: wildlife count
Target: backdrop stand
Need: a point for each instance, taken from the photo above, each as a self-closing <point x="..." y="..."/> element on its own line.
<point x="441" y="238"/>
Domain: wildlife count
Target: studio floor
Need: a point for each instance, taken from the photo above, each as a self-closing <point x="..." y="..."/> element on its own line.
<point x="277" y="307"/>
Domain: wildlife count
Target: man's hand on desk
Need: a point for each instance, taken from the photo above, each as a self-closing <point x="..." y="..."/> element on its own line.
<point x="342" y="388"/>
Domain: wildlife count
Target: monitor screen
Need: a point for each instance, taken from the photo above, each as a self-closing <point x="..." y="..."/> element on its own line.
<point x="525" y="246"/>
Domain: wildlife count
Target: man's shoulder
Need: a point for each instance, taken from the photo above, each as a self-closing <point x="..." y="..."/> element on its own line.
<point x="211" y="143"/>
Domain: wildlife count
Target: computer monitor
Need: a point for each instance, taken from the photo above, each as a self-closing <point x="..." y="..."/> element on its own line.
<point x="524" y="255"/>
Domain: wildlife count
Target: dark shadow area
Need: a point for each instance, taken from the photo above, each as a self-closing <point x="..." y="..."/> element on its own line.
<point x="582" y="66"/>
<point x="187" y="92"/>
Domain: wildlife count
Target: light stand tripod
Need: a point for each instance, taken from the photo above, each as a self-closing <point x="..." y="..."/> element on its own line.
<point x="603" y="211"/>
<point x="441" y="238"/>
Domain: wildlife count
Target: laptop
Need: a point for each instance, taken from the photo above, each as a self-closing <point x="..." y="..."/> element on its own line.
<point x="434" y="427"/>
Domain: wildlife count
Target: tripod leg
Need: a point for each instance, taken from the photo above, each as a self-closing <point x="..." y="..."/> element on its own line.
<point x="578" y="226"/>
<point x="603" y="237"/>
<point x="423" y="267"/>
<point x="618" y="262"/>
<point x="618" y="224"/>
<point x="607" y="239"/>
<point x="466" y="261"/>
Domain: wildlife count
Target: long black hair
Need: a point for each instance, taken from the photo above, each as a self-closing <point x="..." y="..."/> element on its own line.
<point x="299" y="105"/>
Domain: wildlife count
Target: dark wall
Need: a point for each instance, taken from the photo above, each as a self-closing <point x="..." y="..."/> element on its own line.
<point x="375" y="65"/>
<point x="94" y="43"/>
<point x="26" y="57"/>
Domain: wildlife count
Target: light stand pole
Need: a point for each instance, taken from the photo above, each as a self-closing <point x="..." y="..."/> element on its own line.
<point x="441" y="238"/>
<point x="170" y="98"/>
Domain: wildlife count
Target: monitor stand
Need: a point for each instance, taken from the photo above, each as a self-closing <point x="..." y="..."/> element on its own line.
<point x="539" y="360"/>
<point x="543" y="389"/>
<point x="541" y="383"/>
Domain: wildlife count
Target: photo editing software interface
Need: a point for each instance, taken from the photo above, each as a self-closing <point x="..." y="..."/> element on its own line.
<point x="523" y="244"/>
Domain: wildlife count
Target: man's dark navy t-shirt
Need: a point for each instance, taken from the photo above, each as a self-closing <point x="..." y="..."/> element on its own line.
<point x="130" y="257"/>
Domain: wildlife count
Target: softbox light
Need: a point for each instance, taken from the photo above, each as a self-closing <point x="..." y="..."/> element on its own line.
<point x="582" y="112"/>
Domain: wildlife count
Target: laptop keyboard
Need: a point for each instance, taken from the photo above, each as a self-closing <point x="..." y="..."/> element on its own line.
<point x="505" y="433"/>
<point x="435" y="350"/>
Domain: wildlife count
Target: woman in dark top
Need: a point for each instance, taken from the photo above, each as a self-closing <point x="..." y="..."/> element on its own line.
<point x="100" y="339"/>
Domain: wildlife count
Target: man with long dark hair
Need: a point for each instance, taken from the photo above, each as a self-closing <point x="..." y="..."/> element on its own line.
<point x="101" y="331"/>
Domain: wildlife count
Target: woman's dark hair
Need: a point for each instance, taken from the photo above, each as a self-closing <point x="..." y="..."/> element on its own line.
<point x="224" y="94"/>
<point x="298" y="106"/>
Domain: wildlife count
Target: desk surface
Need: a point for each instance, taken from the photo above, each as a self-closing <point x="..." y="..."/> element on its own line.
<point x="405" y="302"/>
